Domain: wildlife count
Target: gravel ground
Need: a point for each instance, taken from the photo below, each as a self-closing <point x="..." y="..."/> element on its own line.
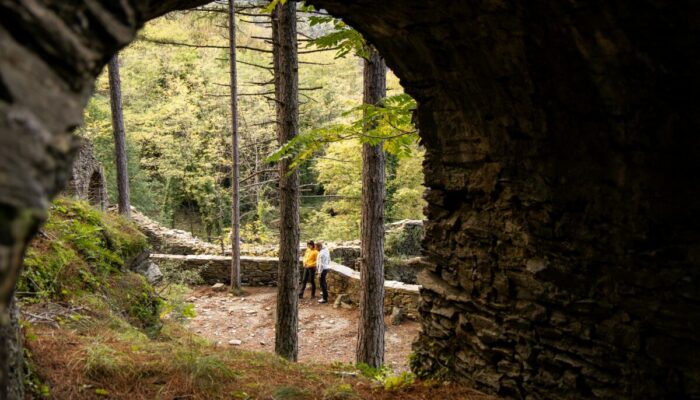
<point x="326" y="335"/>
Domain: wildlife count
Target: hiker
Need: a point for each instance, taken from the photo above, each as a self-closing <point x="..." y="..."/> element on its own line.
<point x="310" y="257"/>
<point x="322" y="264"/>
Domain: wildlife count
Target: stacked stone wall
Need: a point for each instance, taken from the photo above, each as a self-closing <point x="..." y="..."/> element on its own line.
<point x="87" y="179"/>
<point x="255" y="271"/>
<point x="262" y="271"/>
<point x="563" y="219"/>
<point x="344" y="280"/>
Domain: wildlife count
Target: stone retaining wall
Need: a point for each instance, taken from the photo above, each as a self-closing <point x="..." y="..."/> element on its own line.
<point x="262" y="271"/>
<point x="255" y="271"/>
<point x="344" y="280"/>
<point x="172" y="241"/>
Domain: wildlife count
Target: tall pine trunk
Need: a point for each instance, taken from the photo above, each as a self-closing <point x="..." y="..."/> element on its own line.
<point x="286" y="97"/>
<point x="235" y="203"/>
<point x="115" y="92"/>
<point x="370" y="333"/>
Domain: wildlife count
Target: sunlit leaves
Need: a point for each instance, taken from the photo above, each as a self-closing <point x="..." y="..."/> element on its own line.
<point x="389" y="122"/>
<point x="342" y="37"/>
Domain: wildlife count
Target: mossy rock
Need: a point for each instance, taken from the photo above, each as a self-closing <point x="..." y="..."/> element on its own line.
<point x="79" y="249"/>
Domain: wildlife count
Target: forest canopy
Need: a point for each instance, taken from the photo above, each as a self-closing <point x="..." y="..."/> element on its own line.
<point x="176" y="111"/>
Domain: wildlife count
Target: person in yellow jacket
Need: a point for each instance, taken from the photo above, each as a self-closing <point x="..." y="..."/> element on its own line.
<point x="310" y="257"/>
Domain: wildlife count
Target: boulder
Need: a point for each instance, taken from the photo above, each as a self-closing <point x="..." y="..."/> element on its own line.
<point x="396" y="316"/>
<point x="218" y="287"/>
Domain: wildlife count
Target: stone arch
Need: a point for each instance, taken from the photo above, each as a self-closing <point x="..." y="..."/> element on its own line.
<point x="563" y="221"/>
<point x="87" y="180"/>
<point x="96" y="190"/>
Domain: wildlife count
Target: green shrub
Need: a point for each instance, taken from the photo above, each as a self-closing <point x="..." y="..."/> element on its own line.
<point x="133" y="294"/>
<point x="404" y="241"/>
<point x="395" y="383"/>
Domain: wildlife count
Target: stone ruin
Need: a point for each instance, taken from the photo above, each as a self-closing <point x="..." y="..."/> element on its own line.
<point x="87" y="180"/>
<point x="561" y="247"/>
<point x="171" y="241"/>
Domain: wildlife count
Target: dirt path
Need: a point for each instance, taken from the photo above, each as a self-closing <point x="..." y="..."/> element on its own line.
<point x="326" y="335"/>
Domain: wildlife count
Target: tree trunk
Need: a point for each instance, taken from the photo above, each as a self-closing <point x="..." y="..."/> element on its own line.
<point x="370" y="333"/>
<point x="286" y="96"/>
<point x="11" y="336"/>
<point x="17" y="226"/>
<point x="235" y="203"/>
<point x="115" y="92"/>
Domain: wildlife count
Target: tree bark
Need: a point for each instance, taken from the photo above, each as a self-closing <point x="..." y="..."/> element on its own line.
<point x="115" y="92"/>
<point x="370" y="333"/>
<point x="286" y="96"/>
<point x="16" y="229"/>
<point x="235" y="203"/>
<point x="11" y="336"/>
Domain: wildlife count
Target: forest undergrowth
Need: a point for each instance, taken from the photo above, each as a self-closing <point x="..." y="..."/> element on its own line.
<point x="93" y="329"/>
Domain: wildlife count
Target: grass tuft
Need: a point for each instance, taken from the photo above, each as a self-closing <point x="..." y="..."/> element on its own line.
<point x="289" y="393"/>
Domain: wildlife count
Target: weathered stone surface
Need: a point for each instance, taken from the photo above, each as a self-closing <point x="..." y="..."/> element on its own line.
<point x="150" y="271"/>
<point x="402" y="269"/>
<point x="171" y="241"/>
<point x="255" y="271"/>
<point x="87" y="178"/>
<point x="218" y="287"/>
<point x="345" y="254"/>
<point x="346" y="281"/>
<point x="396" y="315"/>
<point x="561" y="176"/>
<point x="558" y="133"/>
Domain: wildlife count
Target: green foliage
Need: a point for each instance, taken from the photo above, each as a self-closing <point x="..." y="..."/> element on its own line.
<point x="342" y="391"/>
<point x="391" y="383"/>
<point x="339" y="169"/>
<point x="175" y="306"/>
<point x="403" y="242"/>
<point x="400" y="382"/>
<point x="178" y="130"/>
<point x="389" y="123"/>
<point x="132" y="293"/>
<point x="339" y="172"/>
<point x="340" y="37"/>
<point x="371" y="372"/>
<point x="33" y="383"/>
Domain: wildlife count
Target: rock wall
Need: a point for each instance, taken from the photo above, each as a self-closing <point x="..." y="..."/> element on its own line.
<point x="561" y="161"/>
<point x="345" y="255"/>
<point x="171" y="241"/>
<point x="563" y="231"/>
<point x="344" y="280"/>
<point x="255" y="271"/>
<point x="87" y="179"/>
<point x="262" y="271"/>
